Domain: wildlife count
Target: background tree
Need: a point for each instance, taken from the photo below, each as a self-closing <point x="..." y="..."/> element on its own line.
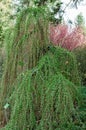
<point x="65" y="37"/>
<point x="54" y="7"/>
<point x="80" y="21"/>
<point x="6" y="13"/>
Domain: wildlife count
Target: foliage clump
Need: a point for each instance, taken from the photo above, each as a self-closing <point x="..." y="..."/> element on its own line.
<point x="43" y="97"/>
<point x="62" y="35"/>
<point x="80" y="54"/>
<point x="40" y="82"/>
<point x="26" y="43"/>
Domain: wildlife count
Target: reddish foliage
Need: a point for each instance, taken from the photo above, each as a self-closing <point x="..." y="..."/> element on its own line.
<point x="68" y="38"/>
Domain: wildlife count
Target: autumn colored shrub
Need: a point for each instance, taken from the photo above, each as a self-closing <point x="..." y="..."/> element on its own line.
<point x="66" y="37"/>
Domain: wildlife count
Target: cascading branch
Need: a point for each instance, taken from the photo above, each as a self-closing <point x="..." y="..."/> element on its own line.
<point x="43" y="97"/>
<point x="25" y="44"/>
<point x="40" y="81"/>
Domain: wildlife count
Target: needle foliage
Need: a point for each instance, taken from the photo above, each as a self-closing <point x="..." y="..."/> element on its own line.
<point x="40" y="81"/>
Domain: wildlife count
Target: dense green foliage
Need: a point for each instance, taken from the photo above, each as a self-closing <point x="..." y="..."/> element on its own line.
<point x="24" y="45"/>
<point x="44" y="97"/>
<point x="29" y="41"/>
<point x="81" y="59"/>
<point x="82" y="109"/>
<point x="40" y="85"/>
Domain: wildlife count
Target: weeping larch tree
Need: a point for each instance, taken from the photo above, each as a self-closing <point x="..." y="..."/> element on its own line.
<point x="40" y="83"/>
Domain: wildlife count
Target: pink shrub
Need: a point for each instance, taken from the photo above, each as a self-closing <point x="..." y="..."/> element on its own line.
<point x="68" y="38"/>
